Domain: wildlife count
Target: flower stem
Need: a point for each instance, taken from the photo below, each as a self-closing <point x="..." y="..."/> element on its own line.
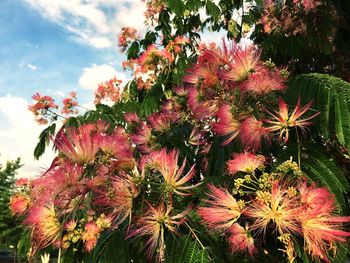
<point x="192" y="231"/>
<point x="299" y="148"/>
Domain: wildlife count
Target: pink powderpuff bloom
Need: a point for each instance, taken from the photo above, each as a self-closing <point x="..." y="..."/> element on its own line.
<point x="282" y="120"/>
<point x="221" y="210"/>
<point x="116" y="145"/>
<point x="240" y="240"/>
<point x="197" y="137"/>
<point x="90" y="235"/>
<point x="263" y="82"/>
<point x="153" y="225"/>
<point x="44" y="223"/>
<point x="245" y="162"/>
<point x="201" y="109"/>
<point x="19" y="204"/>
<point x="252" y="133"/>
<point x="143" y="138"/>
<point x="206" y="69"/>
<point x="160" y="121"/>
<point x="118" y="198"/>
<point x="277" y="208"/>
<point x="202" y="74"/>
<point x="243" y="61"/>
<point x="167" y="165"/>
<point x="227" y="125"/>
<point x="78" y="144"/>
<point x="131" y="117"/>
<point x="321" y="228"/>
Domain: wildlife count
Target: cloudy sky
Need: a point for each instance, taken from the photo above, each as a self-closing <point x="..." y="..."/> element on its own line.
<point x="53" y="47"/>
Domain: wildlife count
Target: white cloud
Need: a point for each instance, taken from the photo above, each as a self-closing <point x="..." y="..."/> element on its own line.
<point x="93" y="22"/>
<point x="96" y="74"/>
<point x="19" y="134"/>
<point x="32" y="67"/>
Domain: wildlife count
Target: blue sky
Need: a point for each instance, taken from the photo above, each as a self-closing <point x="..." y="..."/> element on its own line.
<point x="40" y="55"/>
<point x="53" y="47"/>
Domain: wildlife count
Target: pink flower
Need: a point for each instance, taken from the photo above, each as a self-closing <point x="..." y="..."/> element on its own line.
<point x="78" y="144"/>
<point x="153" y="225"/>
<point x="245" y="162"/>
<point x="116" y="145"/>
<point x="201" y="109"/>
<point x="119" y="198"/>
<point x="143" y="138"/>
<point x="276" y="207"/>
<point x="282" y="120"/>
<point x="70" y="103"/>
<point x="222" y="209"/>
<point x="19" y="204"/>
<point x="240" y="240"/>
<point x="126" y="36"/>
<point x="243" y="61"/>
<point x="227" y="125"/>
<point x="263" y="82"/>
<point x="161" y="122"/>
<point x="109" y="90"/>
<point x="90" y="235"/>
<point x="131" y="117"/>
<point x="166" y="164"/>
<point x="44" y="223"/>
<point x="320" y="227"/>
<point x="252" y="133"/>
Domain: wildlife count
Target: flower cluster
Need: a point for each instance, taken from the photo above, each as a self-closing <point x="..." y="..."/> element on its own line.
<point x="126" y="36"/>
<point x="271" y="203"/>
<point x="70" y="103"/>
<point x="154" y="61"/>
<point x="153" y="8"/>
<point x="46" y="110"/>
<point x="41" y="108"/>
<point x="108" y="91"/>
<point x="226" y="81"/>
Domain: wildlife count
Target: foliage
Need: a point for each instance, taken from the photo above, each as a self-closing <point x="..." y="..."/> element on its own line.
<point x="211" y="153"/>
<point x="10" y="227"/>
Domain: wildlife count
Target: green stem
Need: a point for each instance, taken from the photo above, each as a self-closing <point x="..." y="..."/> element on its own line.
<point x="192" y="231"/>
<point x="299" y="148"/>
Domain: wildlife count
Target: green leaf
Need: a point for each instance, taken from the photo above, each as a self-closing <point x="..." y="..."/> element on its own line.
<point x="133" y="50"/>
<point x="185" y="250"/>
<point x="44" y="140"/>
<point x="194" y="5"/>
<point x="176" y="6"/>
<point x="324" y="170"/>
<point x="212" y="10"/>
<point x="331" y="97"/>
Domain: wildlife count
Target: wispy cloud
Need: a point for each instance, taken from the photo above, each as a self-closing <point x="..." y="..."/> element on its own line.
<point x="32" y="67"/>
<point x="94" y="22"/>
